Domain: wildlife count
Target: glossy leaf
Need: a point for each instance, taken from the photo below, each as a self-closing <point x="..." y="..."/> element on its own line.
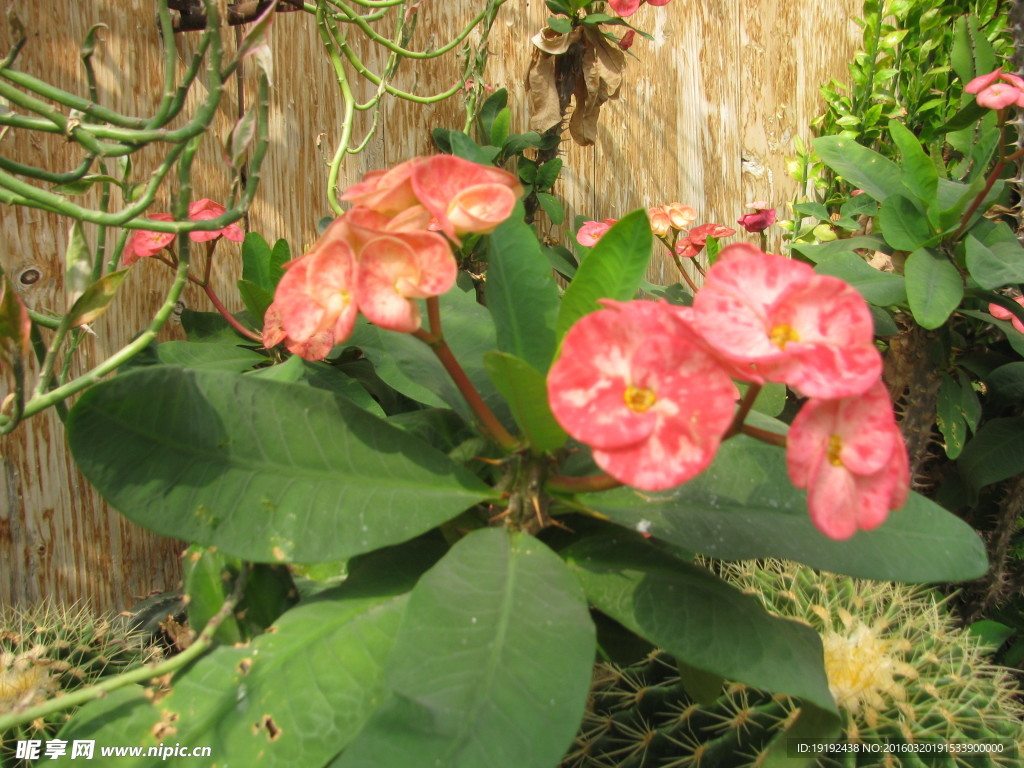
<point x="527" y="394"/>
<point x="217" y="357"/>
<point x="818" y="252"/>
<point x="860" y="166"/>
<point x="934" y="287"/>
<point x="744" y="506"/>
<point x="497" y="677"/>
<point x="950" y="417"/>
<point x="521" y="294"/>
<point x="255" y="298"/>
<point x="254" y="466"/>
<point x="613" y="269"/>
<point x="698" y="618"/>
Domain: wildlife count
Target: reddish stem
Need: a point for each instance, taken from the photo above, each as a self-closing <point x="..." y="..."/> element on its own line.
<point x="227" y="316"/>
<point x="590" y="483"/>
<point x="489" y="423"/>
<point x="753" y="390"/>
<point x="991" y="180"/>
<point x="773" y="438"/>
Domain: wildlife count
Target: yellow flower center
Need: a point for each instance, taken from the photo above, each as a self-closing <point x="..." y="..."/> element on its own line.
<point x="835" y="445"/>
<point x="782" y="334"/>
<point x="639" y="399"/>
<point x="862" y="669"/>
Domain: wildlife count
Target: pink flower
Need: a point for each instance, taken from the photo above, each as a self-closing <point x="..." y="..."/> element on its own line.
<point x="690" y="246"/>
<point x="635" y="383"/>
<point x="780" y="321"/>
<point x="387" y="192"/>
<point x="393" y="271"/>
<point x="997" y="90"/>
<point x="314" y="306"/>
<point x="592" y="231"/>
<point x="625" y="7"/>
<point x="626" y="41"/>
<point x="680" y="215"/>
<point x="1000" y="312"/>
<point x="758" y="221"/>
<point x="145" y="243"/>
<point x="464" y="197"/>
<point x="660" y="221"/>
<point x="850" y="456"/>
<point x="202" y="210"/>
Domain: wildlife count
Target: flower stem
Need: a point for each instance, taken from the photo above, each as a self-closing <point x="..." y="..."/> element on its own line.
<point x="753" y="390"/>
<point x="215" y="300"/>
<point x="773" y="438"/>
<point x="489" y="423"/>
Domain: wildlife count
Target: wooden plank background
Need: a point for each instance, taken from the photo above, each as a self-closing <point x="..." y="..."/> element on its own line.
<point x="706" y="114"/>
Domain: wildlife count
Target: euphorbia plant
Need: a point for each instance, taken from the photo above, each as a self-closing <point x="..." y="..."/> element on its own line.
<point x="511" y="486"/>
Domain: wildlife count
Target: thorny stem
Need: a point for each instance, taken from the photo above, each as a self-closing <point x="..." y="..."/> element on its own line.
<point x="992" y="177"/>
<point x="489" y="423"/>
<point x="84" y="695"/>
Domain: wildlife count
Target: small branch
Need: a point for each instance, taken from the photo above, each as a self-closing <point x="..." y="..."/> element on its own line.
<point x="588" y="484"/>
<point x="215" y="300"/>
<point x="753" y="390"/>
<point x="772" y="438"/>
<point x="84" y="695"/>
<point x="489" y="423"/>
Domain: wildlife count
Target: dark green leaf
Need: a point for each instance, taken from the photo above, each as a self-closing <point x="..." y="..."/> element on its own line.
<point x="1007" y="382"/>
<point x="744" y="507"/>
<point x="612" y="270"/>
<point x="819" y="251"/>
<point x="904" y="223"/>
<point x="214" y="357"/>
<point x="253" y="466"/>
<point x="499" y="127"/>
<point x="547" y="174"/>
<point x="950" y="417"/>
<point x="467" y="149"/>
<point x="522" y="296"/>
<point x="497" y="677"/>
<point x="552" y="207"/>
<point x="934" y="287"/>
<point x="489" y="111"/>
<point x="560" y="25"/>
<point x="995" y="453"/>
<point x="255" y="298"/>
<point x="699" y="618"/>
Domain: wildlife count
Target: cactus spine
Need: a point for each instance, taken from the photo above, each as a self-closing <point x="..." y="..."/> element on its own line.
<point x="900" y="670"/>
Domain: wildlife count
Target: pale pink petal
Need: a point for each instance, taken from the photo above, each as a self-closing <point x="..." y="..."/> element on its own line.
<point x="388" y="192"/>
<point x="440" y="179"/>
<point x="999" y="96"/>
<point x="387" y="271"/>
<point x="144" y="242"/>
<point x="481" y="208"/>
<point x="624" y="7"/>
<point x="592" y="231"/>
<point x="981" y="82"/>
<point x="273" y="328"/>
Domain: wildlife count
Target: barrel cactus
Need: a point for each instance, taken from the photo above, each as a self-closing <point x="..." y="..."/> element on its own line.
<point x="900" y="669"/>
<point x="49" y="650"/>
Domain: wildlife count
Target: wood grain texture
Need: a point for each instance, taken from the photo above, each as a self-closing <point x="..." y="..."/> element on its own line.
<point x="705" y="116"/>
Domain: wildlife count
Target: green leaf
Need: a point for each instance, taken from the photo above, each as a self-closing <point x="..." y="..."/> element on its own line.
<point x="996" y="265"/>
<point x="995" y="453"/>
<point x="934" y="287"/>
<point x="212" y="357"/>
<point x="699" y="618"/>
<point x="817" y="252"/>
<point x="77" y="263"/>
<point x="490" y="110"/>
<point x="254" y="466"/>
<point x="919" y="174"/>
<point x="950" y="417"/>
<point x="411" y="367"/>
<point x="94" y="302"/>
<point x="497" y="677"/>
<point x="256" y="260"/>
<point x="463" y="146"/>
<point x="500" y="127"/>
<point x="904" y="223"/>
<point x="559" y="25"/>
<point x="522" y="297"/>
<point x="883" y="289"/>
<point x="876" y="175"/>
<point x="744" y="506"/>
<point x="612" y="270"/>
<point x="245" y="701"/>
<point x="547" y="174"/>
<point x="1007" y="382"/>
<point x="255" y="298"/>
<point x="526" y="391"/>
<point x="552" y="206"/>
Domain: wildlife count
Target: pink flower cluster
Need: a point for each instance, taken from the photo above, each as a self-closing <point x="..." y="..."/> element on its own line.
<point x="997" y="90"/>
<point x="758" y="221"/>
<point x="629" y="7"/>
<point x="386" y="251"/>
<point x="649" y="385"/>
<point x="144" y="242"/>
<point x="1000" y="312"/>
<point x="665" y="220"/>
